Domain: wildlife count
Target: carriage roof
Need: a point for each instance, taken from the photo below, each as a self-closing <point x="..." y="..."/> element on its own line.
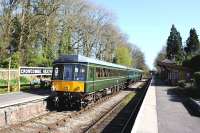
<point x="80" y="58"/>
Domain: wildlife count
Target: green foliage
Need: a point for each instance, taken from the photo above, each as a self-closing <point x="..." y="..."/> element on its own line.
<point x="65" y="44"/>
<point x="15" y="60"/>
<point x="3" y="82"/>
<point x="15" y="36"/>
<point x="4" y="63"/>
<point x="192" y="43"/>
<point x="123" y="56"/>
<point x="24" y="80"/>
<point x="37" y="60"/>
<point x="197" y="79"/>
<point x="160" y="57"/>
<point x="44" y="31"/>
<point x="193" y="63"/>
<point x="174" y="45"/>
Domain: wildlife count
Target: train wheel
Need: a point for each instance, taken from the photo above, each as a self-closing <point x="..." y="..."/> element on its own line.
<point x="54" y="102"/>
<point x="51" y="103"/>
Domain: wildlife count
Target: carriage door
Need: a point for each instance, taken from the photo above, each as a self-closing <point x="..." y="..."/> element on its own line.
<point x="91" y="79"/>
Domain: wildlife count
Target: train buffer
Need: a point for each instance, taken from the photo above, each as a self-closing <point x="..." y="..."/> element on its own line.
<point x="164" y="111"/>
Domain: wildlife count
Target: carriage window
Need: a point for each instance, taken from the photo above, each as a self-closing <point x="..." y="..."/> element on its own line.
<point x="91" y="73"/>
<point x="58" y="72"/>
<point x="98" y="72"/>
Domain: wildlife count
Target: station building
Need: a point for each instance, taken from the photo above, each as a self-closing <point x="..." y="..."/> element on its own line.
<point x="171" y="73"/>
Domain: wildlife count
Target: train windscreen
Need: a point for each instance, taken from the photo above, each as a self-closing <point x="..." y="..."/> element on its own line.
<point x="79" y="72"/>
<point x="69" y="72"/>
<point x="58" y="72"/>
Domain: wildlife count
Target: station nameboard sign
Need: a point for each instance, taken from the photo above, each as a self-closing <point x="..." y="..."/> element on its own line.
<point x="26" y="71"/>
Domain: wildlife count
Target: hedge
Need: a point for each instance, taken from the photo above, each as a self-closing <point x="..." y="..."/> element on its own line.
<point x="23" y="80"/>
<point x="193" y="63"/>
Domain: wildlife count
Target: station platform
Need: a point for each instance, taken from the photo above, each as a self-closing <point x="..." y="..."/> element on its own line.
<point x="163" y="111"/>
<point x="15" y="98"/>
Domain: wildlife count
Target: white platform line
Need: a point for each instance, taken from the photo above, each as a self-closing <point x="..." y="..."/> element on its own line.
<point x="146" y="121"/>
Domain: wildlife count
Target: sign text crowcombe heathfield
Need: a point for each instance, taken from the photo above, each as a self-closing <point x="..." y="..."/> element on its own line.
<point x="26" y="71"/>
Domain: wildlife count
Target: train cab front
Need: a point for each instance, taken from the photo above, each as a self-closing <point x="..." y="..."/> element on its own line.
<point x="68" y="78"/>
<point x="68" y="82"/>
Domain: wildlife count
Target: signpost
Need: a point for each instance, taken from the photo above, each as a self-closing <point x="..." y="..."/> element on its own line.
<point x="9" y="74"/>
<point x="36" y="71"/>
<point x="10" y="50"/>
<point x="28" y="71"/>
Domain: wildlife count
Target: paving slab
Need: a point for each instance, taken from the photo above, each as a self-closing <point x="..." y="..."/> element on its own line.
<point x="173" y="116"/>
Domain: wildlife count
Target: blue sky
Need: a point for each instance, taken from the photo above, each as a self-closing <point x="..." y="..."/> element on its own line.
<point x="147" y="22"/>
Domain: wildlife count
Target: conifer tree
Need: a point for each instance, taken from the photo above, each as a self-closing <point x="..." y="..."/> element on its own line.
<point x="174" y="46"/>
<point x="192" y="43"/>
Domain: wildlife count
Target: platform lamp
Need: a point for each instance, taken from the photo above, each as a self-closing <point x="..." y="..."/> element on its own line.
<point x="10" y="50"/>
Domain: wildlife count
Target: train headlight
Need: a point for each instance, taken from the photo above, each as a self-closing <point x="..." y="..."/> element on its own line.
<point x="66" y="88"/>
<point x="53" y="88"/>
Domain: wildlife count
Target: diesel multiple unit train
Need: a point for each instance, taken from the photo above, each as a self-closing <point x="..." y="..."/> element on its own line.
<point x="78" y="80"/>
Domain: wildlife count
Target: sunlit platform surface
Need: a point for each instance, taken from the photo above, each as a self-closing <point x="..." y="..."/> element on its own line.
<point x="11" y="99"/>
<point x="163" y="111"/>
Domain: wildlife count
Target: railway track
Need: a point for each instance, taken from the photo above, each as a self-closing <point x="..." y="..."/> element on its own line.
<point x="52" y="120"/>
<point x="73" y="121"/>
<point x="120" y="119"/>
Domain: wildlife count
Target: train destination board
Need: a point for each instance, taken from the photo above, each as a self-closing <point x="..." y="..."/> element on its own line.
<point x="35" y="70"/>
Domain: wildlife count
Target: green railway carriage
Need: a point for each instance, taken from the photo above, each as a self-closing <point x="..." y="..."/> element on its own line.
<point x="82" y="78"/>
<point x="102" y="76"/>
<point x="134" y="74"/>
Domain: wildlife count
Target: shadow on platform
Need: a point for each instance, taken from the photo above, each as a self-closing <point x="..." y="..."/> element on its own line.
<point x="158" y="82"/>
<point x="38" y="91"/>
<point x="176" y="95"/>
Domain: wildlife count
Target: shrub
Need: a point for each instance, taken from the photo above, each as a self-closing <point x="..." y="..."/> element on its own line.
<point x="13" y="82"/>
<point x="24" y="80"/>
<point x="193" y="63"/>
<point x="15" y="60"/>
<point x="182" y="83"/>
<point x="3" y="82"/>
<point x="197" y="79"/>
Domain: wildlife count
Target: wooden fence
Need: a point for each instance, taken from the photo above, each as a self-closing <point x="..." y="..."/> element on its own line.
<point x="30" y="73"/>
<point x="14" y="74"/>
